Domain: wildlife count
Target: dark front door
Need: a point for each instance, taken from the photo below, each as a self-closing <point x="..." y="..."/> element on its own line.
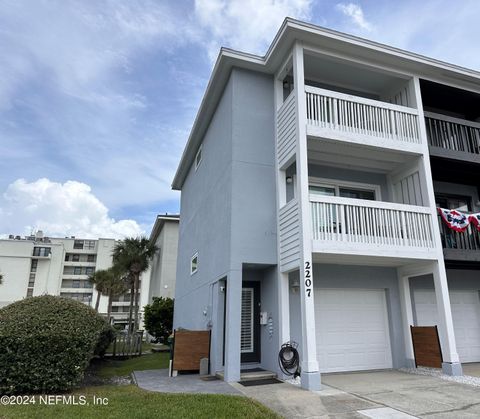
<point x="250" y="325"/>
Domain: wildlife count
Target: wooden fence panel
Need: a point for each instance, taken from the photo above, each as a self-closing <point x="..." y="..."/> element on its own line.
<point x="426" y="346"/>
<point x="189" y="347"/>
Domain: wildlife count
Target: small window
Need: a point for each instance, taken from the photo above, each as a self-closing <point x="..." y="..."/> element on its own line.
<point x="78" y="244"/>
<point x="198" y="157"/>
<point x="29" y="292"/>
<point x="90" y="258"/>
<point x="194" y="264"/>
<point x="75" y="283"/>
<point x="77" y="270"/>
<point x="89" y="244"/>
<point x="76" y="258"/>
<point x="89" y="270"/>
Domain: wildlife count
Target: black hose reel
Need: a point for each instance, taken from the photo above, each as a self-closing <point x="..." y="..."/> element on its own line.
<point x="289" y="359"/>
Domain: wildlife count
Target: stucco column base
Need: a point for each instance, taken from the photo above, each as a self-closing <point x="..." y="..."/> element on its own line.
<point x="311" y="381"/>
<point x="452" y="368"/>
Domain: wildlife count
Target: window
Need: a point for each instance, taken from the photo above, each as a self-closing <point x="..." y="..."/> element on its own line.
<point x="331" y="187"/>
<point x="29" y="292"/>
<point x="78" y="244"/>
<point x="89" y="244"/>
<point x="198" y="157"/>
<point x="76" y="258"/>
<point x="90" y="258"/>
<point x="194" y="264"/>
<point x="89" y="270"/>
<point x="76" y="283"/>
<point x="460" y="203"/>
<point x="41" y="251"/>
<point x="34" y="265"/>
<point x="77" y="270"/>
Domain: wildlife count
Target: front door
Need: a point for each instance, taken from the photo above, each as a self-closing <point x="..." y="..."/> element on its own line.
<point x="250" y="327"/>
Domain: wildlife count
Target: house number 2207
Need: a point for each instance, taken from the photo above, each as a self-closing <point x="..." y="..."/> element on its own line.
<point x="308" y="279"/>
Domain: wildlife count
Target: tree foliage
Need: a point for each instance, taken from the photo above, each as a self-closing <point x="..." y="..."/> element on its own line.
<point x="159" y="317"/>
<point x="133" y="255"/>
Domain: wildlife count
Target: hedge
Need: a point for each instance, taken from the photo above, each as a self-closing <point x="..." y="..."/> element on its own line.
<point x="46" y="344"/>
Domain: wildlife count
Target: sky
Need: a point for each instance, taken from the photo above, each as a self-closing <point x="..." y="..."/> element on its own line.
<point x="97" y="97"/>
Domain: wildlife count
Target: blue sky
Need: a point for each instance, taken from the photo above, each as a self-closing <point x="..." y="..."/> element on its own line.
<point x="97" y="97"/>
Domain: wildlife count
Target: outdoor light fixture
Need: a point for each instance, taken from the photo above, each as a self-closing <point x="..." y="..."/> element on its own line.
<point x="286" y="84"/>
<point x="289" y="179"/>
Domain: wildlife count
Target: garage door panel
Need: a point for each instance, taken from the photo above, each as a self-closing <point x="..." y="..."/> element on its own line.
<point x="465" y="315"/>
<point x="352" y="334"/>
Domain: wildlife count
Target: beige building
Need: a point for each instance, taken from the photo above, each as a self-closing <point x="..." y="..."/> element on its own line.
<point x="37" y="265"/>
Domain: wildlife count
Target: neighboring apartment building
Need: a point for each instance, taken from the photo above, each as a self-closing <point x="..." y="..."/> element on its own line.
<point x="309" y="195"/>
<point x="163" y="268"/>
<point x="37" y="265"/>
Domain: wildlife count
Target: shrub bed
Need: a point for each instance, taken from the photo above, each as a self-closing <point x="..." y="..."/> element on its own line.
<point x="46" y="344"/>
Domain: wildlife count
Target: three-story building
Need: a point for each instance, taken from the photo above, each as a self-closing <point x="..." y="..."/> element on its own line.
<point x="309" y="206"/>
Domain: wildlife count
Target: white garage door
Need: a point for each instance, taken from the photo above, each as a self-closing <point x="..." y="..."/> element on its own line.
<point x="352" y="330"/>
<point x="466" y="319"/>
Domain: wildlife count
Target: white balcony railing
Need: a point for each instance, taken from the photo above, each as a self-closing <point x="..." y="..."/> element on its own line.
<point x="361" y="116"/>
<point x="346" y="220"/>
<point x="453" y="133"/>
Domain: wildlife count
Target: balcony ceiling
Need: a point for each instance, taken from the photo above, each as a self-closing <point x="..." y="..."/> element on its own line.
<point x="354" y="156"/>
<point x="349" y="75"/>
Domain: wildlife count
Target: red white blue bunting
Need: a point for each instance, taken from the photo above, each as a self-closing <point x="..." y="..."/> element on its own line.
<point x="475" y="220"/>
<point x="459" y="221"/>
<point x="454" y="219"/>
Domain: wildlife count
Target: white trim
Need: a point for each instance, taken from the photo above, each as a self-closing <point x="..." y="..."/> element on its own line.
<point x="192" y="270"/>
<point x="198" y="153"/>
<point x="337" y="184"/>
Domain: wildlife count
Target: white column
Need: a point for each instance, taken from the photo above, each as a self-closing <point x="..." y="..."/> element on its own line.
<point x="310" y="372"/>
<point x="407" y="317"/>
<point x="284" y="308"/>
<point x="233" y="326"/>
<point x="451" y="363"/>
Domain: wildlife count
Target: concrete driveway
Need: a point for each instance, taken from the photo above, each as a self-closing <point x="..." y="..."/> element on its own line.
<point x="382" y="395"/>
<point x="472" y="369"/>
<point x="416" y="395"/>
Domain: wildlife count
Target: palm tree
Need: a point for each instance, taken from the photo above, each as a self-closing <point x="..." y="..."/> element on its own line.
<point x="133" y="255"/>
<point x="110" y="283"/>
<point x="99" y="278"/>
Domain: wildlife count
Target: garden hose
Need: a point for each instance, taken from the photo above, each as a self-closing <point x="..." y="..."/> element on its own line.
<point x="289" y="359"/>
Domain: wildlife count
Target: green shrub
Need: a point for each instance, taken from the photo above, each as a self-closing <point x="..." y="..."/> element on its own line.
<point x="106" y="337"/>
<point x="159" y="318"/>
<point x="46" y="343"/>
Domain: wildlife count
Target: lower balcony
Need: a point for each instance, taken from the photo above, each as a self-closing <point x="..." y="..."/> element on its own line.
<point x="460" y="247"/>
<point x="388" y="233"/>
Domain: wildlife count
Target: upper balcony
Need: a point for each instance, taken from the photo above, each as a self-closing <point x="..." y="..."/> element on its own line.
<point x="453" y="138"/>
<point x="342" y="117"/>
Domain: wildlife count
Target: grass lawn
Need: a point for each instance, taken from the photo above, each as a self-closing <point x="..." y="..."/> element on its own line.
<point x="121" y="368"/>
<point x="132" y="402"/>
<point x="129" y="401"/>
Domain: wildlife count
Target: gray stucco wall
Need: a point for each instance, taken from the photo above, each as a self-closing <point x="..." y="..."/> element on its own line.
<point x="253" y="170"/>
<point x="205" y="222"/>
<point x="228" y="210"/>
<point x="357" y="277"/>
<point x="337" y="173"/>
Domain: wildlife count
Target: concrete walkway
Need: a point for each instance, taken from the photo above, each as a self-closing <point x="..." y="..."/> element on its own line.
<point x="158" y="380"/>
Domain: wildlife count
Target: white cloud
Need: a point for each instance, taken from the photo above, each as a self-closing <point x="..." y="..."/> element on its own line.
<point x="59" y="210"/>
<point x="247" y="25"/>
<point x="355" y="13"/>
